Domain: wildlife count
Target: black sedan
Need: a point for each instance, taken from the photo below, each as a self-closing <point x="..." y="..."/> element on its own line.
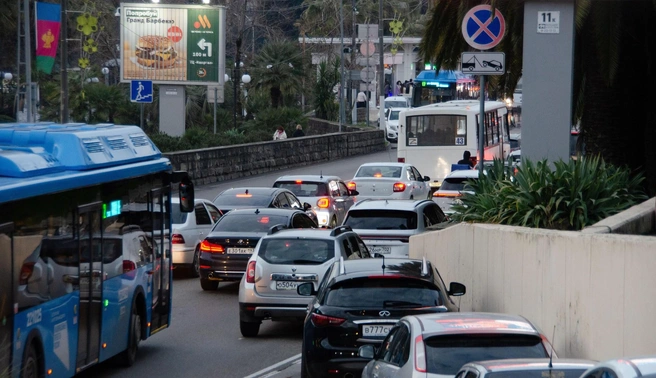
<point x="358" y="302"/>
<point x="250" y="198"/>
<point x="225" y="251"/>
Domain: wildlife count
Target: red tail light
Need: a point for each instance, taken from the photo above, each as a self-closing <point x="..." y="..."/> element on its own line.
<point x="26" y="273"/>
<point x="401" y="160"/>
<point x="326" y="321"/>
<point x="250" y="272"/>
<point x="323" y="203"/>
<point x="399" y="187"/>
<point x="420" y="354"/>
<point x="128" y="266"/>
<point x="177" y="239"/>
<point x="350" y="185"/>
<point x="210" y="247"/>
<point x="448" y="195"/>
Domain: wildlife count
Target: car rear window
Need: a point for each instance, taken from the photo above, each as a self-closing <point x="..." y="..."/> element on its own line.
<point x="304" y="188"/>
<point x="297" y="251"/>
<point x="232" y="222"/>
<point x="379" y="171"/>
<point x="455" y="183"/>
<point x="242" y="199"/>
<point x="177" y="216"/>
<point x="381" y="220"/>
<point x="446" y="354"/>
<point x="539" y="373"/>
<point x="65" y="252"/>
<point x="368" y="292"/>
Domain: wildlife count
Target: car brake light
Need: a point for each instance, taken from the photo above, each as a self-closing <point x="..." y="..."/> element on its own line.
<point x="299" y="181"/>
<point x="210" y="247"/>
<point x="350" y="185"/>
<point x="323" y="203"/>
<point x="26" y="273"/>
<point x="177" y="239"/>
<point x="384" y="276"/>
<point x="326" y="321"/>
<point x="399" y="187"/>
<point x="441" y="194"/>
<point x="128" y="266"/>
<point x="420" y="354"/>
<point x="401" y="160"/>
<point x="250" y="272"/>
<point x="244" y="195"/>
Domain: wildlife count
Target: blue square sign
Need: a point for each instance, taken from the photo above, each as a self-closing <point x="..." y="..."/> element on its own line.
<point x="141" y="91"/>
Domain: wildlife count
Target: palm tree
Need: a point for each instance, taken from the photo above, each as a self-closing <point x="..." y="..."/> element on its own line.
<point x="615" y="122"/>
<point x="279" y="68"/>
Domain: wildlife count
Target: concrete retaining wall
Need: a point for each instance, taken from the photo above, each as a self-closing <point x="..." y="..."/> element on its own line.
<point x="230" y="162"/>
<point x="637" y="220"/>
<point x="599" y="290"/>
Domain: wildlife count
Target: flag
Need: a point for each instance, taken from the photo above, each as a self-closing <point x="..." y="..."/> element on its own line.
<point x="48" y="19"/>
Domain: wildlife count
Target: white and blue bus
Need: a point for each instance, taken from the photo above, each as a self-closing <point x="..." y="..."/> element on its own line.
<point x="85" y="255"/>
<point x="433" y="137"/>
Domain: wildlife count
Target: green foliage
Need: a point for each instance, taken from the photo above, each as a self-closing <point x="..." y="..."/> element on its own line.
<point x="569" y="196"/>
<point x="278" y="68"/>
<point x="6" y="119"/>
<point x="325" y="104"/>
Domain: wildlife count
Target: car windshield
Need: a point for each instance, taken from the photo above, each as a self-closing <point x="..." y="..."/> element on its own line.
<point x="446" y="354"/>
<point x="232" y="222"/>
<point x="455" y="183"/>
<point x="242" y="199"/>
<point x="394" y="115"/>
<point x="396" y="104"/>
<point x="296" y="251"/>
<point x="381" y="220"/>
<point x="367" y="292"/>
<point x="379" y="171"/>
<point x="304" y="188"/>
<point x="537" y="373"/>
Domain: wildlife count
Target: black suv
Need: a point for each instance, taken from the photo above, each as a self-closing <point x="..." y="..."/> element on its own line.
<point x="358" y="302"/>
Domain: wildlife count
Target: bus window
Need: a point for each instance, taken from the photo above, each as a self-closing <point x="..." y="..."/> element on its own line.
<point x="436" y="130"/>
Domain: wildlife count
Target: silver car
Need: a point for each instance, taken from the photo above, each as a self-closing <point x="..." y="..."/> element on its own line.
<point x="189" y="230"/>
<point x="281" y="261"/>
<point x="386" y="225"/>
<point x="629" y="367"/>
<point x="452" y="188"/>
<point x="328" y="195"/>
<point x="525" y="368"/>
<point x="390" y="180"/>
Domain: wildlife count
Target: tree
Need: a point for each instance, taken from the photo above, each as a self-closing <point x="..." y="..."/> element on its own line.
<point x="325" y="104"/>
<point x="279" y="68"/>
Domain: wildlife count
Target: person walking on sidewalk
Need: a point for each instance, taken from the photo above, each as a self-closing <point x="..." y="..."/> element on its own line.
<point x="298" y="132"/>
<point x="280" y="133"/>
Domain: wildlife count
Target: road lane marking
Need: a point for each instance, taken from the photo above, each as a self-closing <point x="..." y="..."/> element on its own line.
<point x="276" y="367"/>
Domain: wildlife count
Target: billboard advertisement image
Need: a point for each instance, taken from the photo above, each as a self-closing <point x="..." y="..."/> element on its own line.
<point x="172" y="44"/>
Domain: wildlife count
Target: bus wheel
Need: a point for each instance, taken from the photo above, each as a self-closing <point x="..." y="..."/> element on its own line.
<point x="129" y="355"/>
<point x="31" y="364"/>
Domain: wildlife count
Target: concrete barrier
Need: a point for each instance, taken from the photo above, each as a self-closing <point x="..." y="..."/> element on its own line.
<point x="230" y="162"/>
<point x="637" y="220"/>
<point x="598" y="290"/>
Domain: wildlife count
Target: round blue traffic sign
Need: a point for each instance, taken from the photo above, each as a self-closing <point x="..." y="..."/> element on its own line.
<point x="481" y="30"/>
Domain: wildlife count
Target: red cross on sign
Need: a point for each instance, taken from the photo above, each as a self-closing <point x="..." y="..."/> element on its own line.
<point x="483" y="30"/>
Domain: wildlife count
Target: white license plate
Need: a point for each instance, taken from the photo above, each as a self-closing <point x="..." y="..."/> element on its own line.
<point x="381" y="250"/>
<point x="286" y="285"/>
<point x="243" y="251"/>
<point x="376" y="330"/>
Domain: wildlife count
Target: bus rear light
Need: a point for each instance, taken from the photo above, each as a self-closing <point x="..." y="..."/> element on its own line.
<point x="399" y="187"/>
<point x="323" y="203"/>
<point x="250" y="272"/>
<point x="401" y="160"/>
<point x="420" y="355"/>
<point x="177" y="239"/>
<point x="128" y="266"/>
<point x="25" y="273"/>
<point x="210" y="247"/>
<point x="351" y="185"/>
<point x="325" y="321"/>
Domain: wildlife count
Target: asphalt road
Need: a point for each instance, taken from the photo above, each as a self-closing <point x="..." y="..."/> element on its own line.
<point x="204" y="338"/>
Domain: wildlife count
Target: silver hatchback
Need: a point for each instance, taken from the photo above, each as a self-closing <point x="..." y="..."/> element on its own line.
<point x="282" y="260"/>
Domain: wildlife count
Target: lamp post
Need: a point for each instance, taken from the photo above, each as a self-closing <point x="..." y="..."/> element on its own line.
<point x="5" y="78"/>
<point x="105" y="71"/>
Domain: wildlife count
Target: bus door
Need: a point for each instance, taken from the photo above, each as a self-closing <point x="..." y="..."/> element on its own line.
<point x="159" y="204"/>
<point x="6" y="292"/>
<point x="90" y="283"/>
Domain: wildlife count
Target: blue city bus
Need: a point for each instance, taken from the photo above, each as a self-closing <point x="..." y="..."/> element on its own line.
<point x="85" y="253"/>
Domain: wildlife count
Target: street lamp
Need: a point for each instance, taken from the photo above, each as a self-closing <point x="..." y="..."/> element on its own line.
<point x="5" y="79"/>
<point x="105" y="71"/>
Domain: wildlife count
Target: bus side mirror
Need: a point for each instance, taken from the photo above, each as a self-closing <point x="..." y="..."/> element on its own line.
<point x="186" y="194"/>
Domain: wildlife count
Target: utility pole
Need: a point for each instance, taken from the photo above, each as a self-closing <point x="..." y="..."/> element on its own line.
<point x="381" y="84"/>
<point x="28" y="62"/>
<point x="341" y="72"/>
<point x="63" y="67"/>
<point x="354" y="113"/>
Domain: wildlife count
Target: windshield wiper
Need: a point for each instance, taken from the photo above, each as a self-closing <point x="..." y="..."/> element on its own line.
<point x="401" y="304"/>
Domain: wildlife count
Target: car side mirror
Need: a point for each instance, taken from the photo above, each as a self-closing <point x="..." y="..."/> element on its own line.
<point x="457" y="289"/>
<point x="186" y="194"/>
<point x="306" y="206"/>
<point x="426" y="178"/>
<point x="367" y="351"/>
<point x="306" y="289"/>
<point x="353" y="192"/>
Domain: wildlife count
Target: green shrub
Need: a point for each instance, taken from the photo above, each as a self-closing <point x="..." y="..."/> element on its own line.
<point x="6" y="119"/>
<point x="569" y="196"/>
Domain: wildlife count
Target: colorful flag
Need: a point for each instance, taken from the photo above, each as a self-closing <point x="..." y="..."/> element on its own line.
<point x="48" y="19"/>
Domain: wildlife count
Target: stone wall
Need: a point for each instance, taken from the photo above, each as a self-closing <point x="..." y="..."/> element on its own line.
<point x="230" y="162"/>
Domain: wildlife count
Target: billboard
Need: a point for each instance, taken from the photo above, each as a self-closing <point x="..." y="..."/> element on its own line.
<point x="173" y="44"/>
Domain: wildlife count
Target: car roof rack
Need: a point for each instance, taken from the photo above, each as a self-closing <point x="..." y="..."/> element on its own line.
<point x="276" y="228"/>
<point x="340" y="230"/>
<point x="424" y="266"/>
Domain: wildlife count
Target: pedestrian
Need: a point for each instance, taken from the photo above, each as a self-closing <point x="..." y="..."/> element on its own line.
<point x="466" y="159"/>
<point x="398" y="88"/>
<point x="361" y="101"/>
<point x="298" y="132"/>
<point x="280" y="133"/>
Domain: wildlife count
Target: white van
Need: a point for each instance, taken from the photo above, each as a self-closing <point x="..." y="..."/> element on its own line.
<point x="395" y="102"/>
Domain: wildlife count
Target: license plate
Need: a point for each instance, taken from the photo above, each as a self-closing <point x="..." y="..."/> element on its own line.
<point x="376" y="330"/>
<point x="286" y="285"/>
<point x="243" y="251"/>
<point x="381" y="250"/>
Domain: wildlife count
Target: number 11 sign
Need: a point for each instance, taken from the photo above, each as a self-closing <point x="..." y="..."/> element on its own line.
<point x="549" y="22"/>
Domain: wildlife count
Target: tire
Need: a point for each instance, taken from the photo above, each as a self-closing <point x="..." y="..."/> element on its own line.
<point x="249" y="329"/>
<point x="304" y="370"/>
<point x="333" y="222"/>
<point x="208" y="285"/>
<point x="129" y="355"/>
<point x="195" y="265"/>
<point x="31" y="368"/>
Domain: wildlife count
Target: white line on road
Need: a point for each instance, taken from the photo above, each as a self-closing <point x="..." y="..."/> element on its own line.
<point x="274" y="368"/>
